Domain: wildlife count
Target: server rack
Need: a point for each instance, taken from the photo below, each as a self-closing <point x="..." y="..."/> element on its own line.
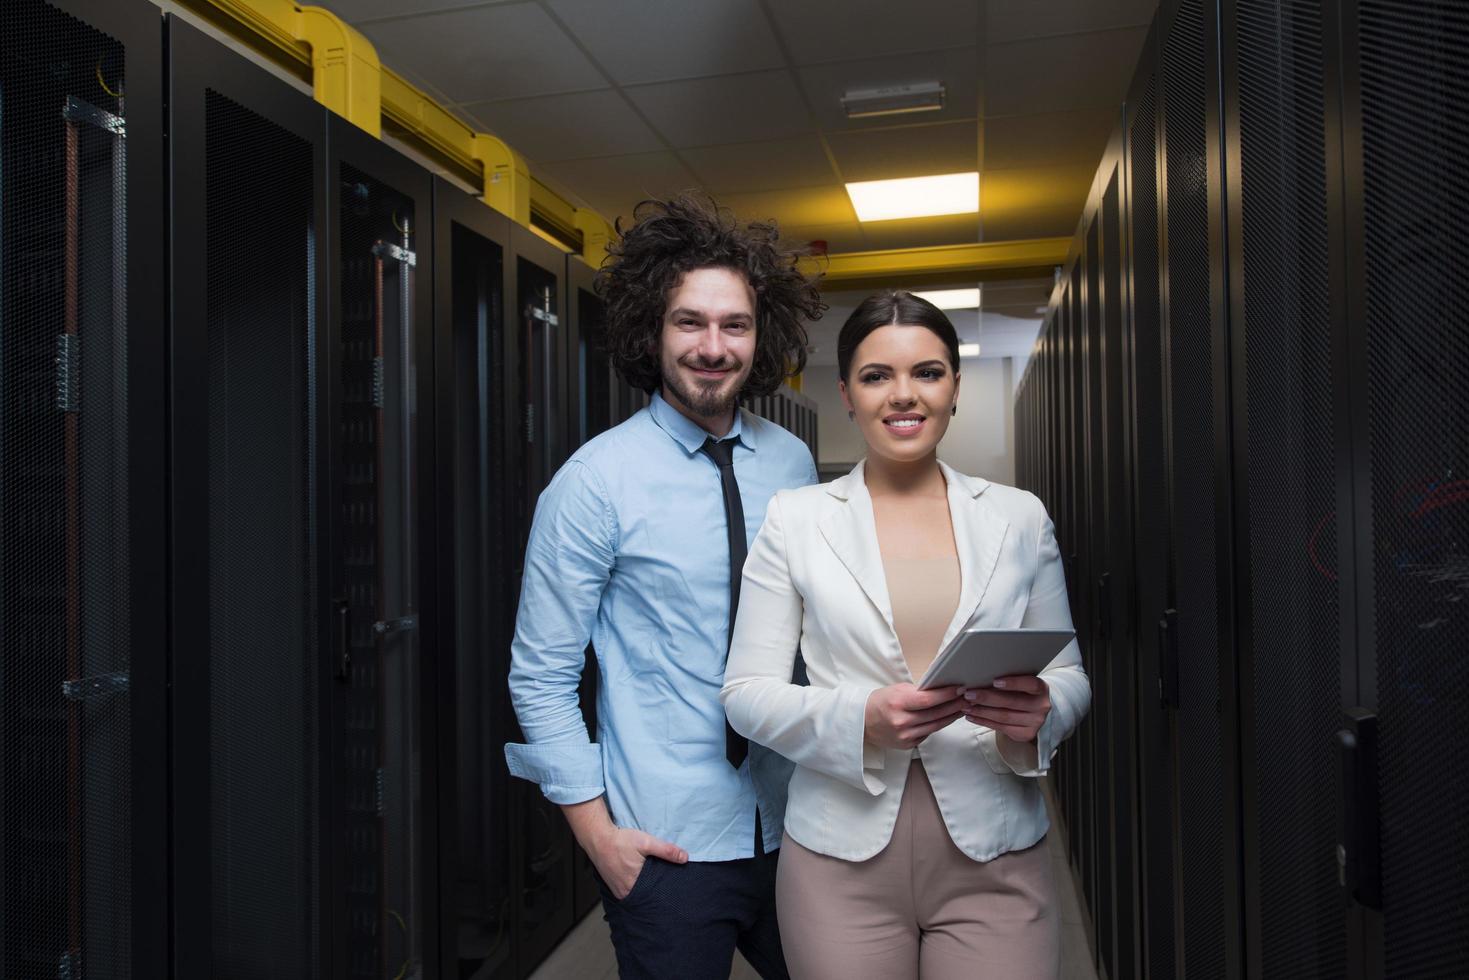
<point x="1286" y="467"/>
<point x="82" y="683"/>
<point x="1400" y="117"/>
<point x="546" y="869"/>
<point x="1155" y="623"/>
<point x="477" y="453"/>
<point x="248" y="366"/>
<point x="1196" y="449"/>
<point x="380" y="542"/>
<point x="1292" y="400"/>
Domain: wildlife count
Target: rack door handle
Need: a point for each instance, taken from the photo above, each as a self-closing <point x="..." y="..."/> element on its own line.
<point x="1168" y="659"/>
<point x="1358" y="859"/>
<point x="342" y="660"/>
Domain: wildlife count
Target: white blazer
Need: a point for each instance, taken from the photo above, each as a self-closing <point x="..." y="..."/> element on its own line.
<point x="815" y="578"/>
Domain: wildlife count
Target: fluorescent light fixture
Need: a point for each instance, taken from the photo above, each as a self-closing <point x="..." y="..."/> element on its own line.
<point x="968" y="350"/>
<point x="894" y="100"/>
<point x="952" y="299"/>
<point x="915" y="197"/>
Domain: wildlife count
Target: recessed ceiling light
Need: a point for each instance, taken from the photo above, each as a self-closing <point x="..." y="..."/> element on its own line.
<point x="915" y="197"/>
<point x="952" y="299"/>
<point x="968" y="350"/>
<point x="893" y="100"/>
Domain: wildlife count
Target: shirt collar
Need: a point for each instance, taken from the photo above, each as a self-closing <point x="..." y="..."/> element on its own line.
<point x="687" y="433"/>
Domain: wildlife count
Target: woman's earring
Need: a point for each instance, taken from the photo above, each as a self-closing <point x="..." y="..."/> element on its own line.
<point x="852" y="416"/>
<point x="953" y="409"/>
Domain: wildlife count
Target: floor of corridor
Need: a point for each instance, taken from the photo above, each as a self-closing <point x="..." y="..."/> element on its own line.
<point x="586" y="954"/>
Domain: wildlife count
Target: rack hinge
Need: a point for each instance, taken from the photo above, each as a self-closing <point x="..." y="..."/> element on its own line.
<point x="68" y="372"/>
<point x="382" y="805"/>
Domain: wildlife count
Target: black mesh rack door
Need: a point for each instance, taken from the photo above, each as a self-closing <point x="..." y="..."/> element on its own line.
<point x="1189" y="327"/>
<point x="543" y="843"/>
<point x="1114" y="582"/>
<point x="476" y="398"/>
<point x="1408" y="121"/>
<point x="1285" y="486"/>
<point x="249" y="212"/>
<point x="381" y="203"/>
<point x="1156" y="669"/>
<point x="1095" y="629"/>
<point x="81" y="483"/>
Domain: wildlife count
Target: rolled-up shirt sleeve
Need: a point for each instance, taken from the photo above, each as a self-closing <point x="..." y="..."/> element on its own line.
<point x="573" y="542"/>
<point x="819" y="728"/>
<point x="1070" y="691"/>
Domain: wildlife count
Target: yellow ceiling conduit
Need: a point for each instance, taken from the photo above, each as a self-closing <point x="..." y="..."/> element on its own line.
<point x="347" y="77"/>
<point x="942" y="263"/>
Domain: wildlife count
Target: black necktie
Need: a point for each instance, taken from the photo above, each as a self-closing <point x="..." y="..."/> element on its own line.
<point x="735" y="744"/>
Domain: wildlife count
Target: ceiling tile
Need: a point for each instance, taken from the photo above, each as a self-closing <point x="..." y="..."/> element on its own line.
<point x="1046" y="140"/>
<point x="1023" y="223"/>
<point x="1004" y="191"/>
<point x="957" y="68"/>
<point x="953" y="229"/>
<point x="568" y="127"/>
<point x="727" y="109"/>
<point x="1023" y="78"/>
<point x="614" y="185"/>
<point x="657" y="40"/>
<point x="769" y="165"/>
<point x="817" y="31"/>
<point x="1011" y="20"/>
<point x="911" y="151"/>
<point x="796" y="208"/>
<point x="498" y="52"/>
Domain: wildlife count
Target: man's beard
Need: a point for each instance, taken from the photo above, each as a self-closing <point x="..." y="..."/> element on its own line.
<point x="707" y="399"/>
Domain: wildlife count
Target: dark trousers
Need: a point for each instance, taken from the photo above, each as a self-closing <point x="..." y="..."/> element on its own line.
<point x="684" y="921"/>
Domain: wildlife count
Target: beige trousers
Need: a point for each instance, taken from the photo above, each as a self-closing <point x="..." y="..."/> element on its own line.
<point x="920" y="909"/>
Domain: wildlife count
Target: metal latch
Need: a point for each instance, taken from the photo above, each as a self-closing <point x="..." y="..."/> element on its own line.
<point x="387" y="250"/>
<point x="400" y="625"/>
<point x="95" y="688"/>
<point x="78" y="111"/>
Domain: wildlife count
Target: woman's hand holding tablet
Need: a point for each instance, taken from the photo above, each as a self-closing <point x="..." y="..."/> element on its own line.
<point x="998" y="672"/>
<point x="1014" y="706"/>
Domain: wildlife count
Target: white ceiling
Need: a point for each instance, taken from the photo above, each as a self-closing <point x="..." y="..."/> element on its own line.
<point x="1006" y="324"/>
<point x="614" y="100"/>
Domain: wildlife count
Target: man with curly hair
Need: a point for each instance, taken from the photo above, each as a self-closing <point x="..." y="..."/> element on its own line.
<point x="636" y="547"/>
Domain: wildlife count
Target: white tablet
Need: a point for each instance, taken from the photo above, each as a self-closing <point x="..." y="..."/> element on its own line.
<point x="977" y="656"/>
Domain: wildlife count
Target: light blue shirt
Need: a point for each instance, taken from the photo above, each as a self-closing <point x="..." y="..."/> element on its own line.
<point x="628" y="550"/>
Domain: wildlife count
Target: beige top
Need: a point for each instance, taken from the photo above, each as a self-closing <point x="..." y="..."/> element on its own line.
<point x="924" y="593"/>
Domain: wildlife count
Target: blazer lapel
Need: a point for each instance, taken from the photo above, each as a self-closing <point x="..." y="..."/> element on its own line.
<point x="851" y="532"/>
<point x="978" y="533"/>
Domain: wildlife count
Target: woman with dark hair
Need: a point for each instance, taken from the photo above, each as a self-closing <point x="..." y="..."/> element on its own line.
<point x="914" y="820"/>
